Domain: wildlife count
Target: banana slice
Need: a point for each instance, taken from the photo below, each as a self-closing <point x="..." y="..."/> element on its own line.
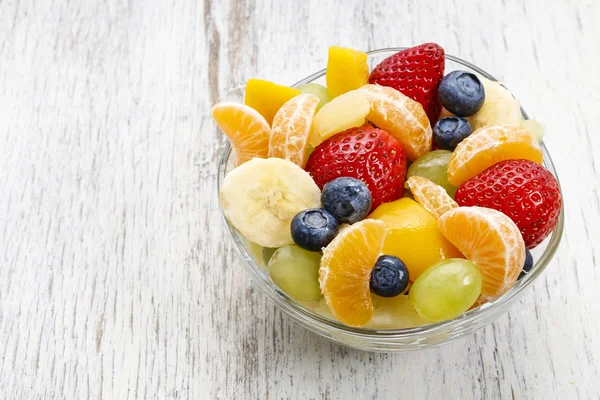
<point x="500" y="107"/>
<point x="261" y="197"/>
<point x="534" y="127"/>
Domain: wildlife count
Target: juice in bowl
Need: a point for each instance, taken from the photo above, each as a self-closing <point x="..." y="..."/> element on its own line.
<point x="398" y="199"/>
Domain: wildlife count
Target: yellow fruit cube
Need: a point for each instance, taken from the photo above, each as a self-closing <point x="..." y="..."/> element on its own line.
<point x="267" y="97"/>
<point x="413" y="235"/>
<point x="347" y="70"/>
<point x="344" y="112"/>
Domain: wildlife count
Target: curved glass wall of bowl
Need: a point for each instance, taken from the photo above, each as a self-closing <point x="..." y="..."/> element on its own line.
<point x="394" y="339"/>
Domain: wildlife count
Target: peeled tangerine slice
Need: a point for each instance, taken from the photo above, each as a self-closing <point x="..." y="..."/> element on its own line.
<point x="488" y="146"/>
<point x="344" y="112"/>
<point x="267" y="97"/>
<point x="346" y="271"/>
<point x="291" y="128"/>
<point x="247" y="130"/>
<point x="400" y="116"/>
<point x="261" y="197"/>
<point x="431" y="196"/>
<point x="347" y="70"/>
<point x="489" y="239"/>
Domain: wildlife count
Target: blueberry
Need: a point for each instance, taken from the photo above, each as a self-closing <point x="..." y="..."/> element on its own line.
<point x="461" y="93"/>
<point x="527" y="265"/>
<point x="313" y="229"/>
<point x="348" y="199"/>
<point x="448" y="132"/>
<point x="389" y="278"/>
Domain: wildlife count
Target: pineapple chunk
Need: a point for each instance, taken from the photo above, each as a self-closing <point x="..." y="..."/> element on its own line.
<point x="344" y="112"/>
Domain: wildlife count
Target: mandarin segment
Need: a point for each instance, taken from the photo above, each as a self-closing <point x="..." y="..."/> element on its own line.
<point x="291" y="129"/>
<point x="489" y="239"/>
<point x="247" y="130"/>
<point x="401" y="116"/>
<point x="432" y="197"/>
<point x="267" y="97"/>
<point x="488" y="146"/>
<point x="346" y="271"/>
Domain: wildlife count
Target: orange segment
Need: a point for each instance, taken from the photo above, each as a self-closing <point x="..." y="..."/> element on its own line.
<point x="267" y="97"/>
<point x="413" y="236"/>
<point x="291" y="129"/>
<point x="488" y="146"/>
<point x="346" y="271"/>
<point x="400" y="116"/>
<point x="431" y="196"/>
<point x="347" y="70"/>
<point x="247" y="130"/>
<point x="489" y="239"/>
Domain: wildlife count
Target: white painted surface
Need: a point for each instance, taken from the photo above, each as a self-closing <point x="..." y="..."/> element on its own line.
<point x="116" y="278"/>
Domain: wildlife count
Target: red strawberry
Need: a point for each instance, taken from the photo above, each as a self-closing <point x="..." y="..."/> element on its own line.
<point x="521" y="189"/>
<point x="416" y="72"/>
<point x="366" y="153"/>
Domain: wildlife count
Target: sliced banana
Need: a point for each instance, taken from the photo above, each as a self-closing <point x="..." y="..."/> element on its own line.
<point x="534" y="127"/>
<point x="500" y="107"/>
<point x="261" y="197"/>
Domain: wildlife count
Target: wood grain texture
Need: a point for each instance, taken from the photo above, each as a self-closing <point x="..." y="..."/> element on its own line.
<point x="117" y="280"/>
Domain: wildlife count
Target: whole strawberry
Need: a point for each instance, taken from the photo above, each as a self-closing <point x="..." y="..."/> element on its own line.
<point x="416" y="72"/>
<point x="521" y="189"/>
<point x="366" y="153"/>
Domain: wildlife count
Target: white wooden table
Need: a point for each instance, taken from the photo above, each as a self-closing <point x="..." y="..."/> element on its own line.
<point x="117" y="280"/>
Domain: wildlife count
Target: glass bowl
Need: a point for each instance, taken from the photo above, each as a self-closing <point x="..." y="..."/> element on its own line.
<point x="394" y="339"/>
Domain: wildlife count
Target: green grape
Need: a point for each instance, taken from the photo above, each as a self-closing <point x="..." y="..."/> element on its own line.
<point x="434" y="166"/>
<point x="296" y="272"/>
<point x="318" y="90"/>
<point x="256" y="252"/>
<point x="394" y="313"/>
<point x="320" y="307"/>
<point x="267" y="253"/>
<point x="446" y="289"/>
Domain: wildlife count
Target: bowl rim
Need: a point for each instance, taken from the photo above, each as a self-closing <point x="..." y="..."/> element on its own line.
<point x="296" y="310"/>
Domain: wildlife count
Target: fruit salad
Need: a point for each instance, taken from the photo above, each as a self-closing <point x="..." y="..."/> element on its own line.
<point x="391" y="198"/>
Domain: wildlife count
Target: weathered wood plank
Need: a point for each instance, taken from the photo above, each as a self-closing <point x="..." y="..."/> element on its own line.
<point x="116" y="277"/>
